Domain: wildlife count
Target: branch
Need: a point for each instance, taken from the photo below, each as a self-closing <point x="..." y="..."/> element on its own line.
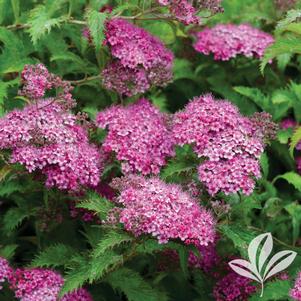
<point x="85" y="79"/>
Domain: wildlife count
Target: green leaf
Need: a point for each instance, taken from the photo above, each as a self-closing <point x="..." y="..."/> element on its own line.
<point x="296" y="138"/>
<point x="112" y="239"/>
<point x="134" y="286"/>
<point x="41" y="21"/>
<point x="274" y="290"/>
<point x="240" y="237"/>
<point x="14" y="217"/>
<point x="284" y="135"/>
<point x="16" y="9"/>
<point x="264" y="162"/>
<point x="291" y="16"/>
<point x="183" y="256"/>
<point x="282" y="45"/>
<point x="185" y="162"/>
<point x="8" y="251"/>
<point x="54" y="256"/>
<point x="89" y="270"/>
<point x="182" y="69"/>
<point x="98" y="204"/>
<point x="96" y="21"/>
<point x="294" y="210"/>
<point x="256" y="95"/>
<point x="292" y="178"/>
<point x="14" y="54"/>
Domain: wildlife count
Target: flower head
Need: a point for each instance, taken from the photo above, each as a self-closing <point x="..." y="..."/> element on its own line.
<point x="233" y="287"/>
<point x="228" y="41"/>
<point x="229" y="144"/>
<point x="163" y="210"/>
<point x="44" y="136"/>
<point x="140" y="59"/>
<point x="139" y="136"/>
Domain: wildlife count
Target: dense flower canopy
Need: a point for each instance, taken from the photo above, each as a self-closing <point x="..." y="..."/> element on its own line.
<point x="226" y="41"/>
<point x="140" y="60"/>
<point x="139" y="136"/>
<point x="163" y="210"/>
<point x="229" y="141"/>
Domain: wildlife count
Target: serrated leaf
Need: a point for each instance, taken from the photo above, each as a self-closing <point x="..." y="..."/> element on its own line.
<point x="8" y="251"/>
<point x="54" y="256"/>
<point x="89" y="270"/>
<point x="135" y="287"/>
<point x="292" y="178"/>
<point x="111" y="240"/>
<point x="13" y="218"/>
<point x="41" y="22"/>
<point x="256" y="95"/>
<point x="282" y="45"/>
<point x="96" y="21"/>
<point x="295" y="139"/>
<point x="291" y="16"/>
<point x="96" y="203"/>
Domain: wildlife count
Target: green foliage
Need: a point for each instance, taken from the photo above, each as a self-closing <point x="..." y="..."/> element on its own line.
<point x="99" y="205"/>
<point x="54" y="256"/>
<point x="292" y="178"/>
<point x="134" y="286"/>
<point x="96" y="26"/>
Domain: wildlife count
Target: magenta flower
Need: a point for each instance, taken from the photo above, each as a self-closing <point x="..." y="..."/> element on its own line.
<point x="45" y="137"/>
<point x="139" y="136"/>
<point x="233" y="287"/>
<point x="140" y="59"/>
<point x="231" y="143"/>
<point x="39" y="284"/>
<point x="5" y="271"/>
<point x="163" y="210"/>
<point x="228" y="41"/>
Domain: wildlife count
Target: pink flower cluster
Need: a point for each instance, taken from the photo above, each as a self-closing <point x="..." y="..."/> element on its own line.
<point x="139" y="136"/>
<point x="140" y="60"/>
<point x="233" y="287"/>
<point x="186" y="12"/>
<point x="163" y="210"/>
<point x="226" y="41"/>
<point x="37" y="80"/>
<point x="5" y="271"/>
<point x="42" y="285"/>
<point x="230" y="142"/>
<point x="44" y="136"/>
<point x="295" y="292"/>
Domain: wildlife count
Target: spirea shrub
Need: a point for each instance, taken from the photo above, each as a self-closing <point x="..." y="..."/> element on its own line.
<point x="135" y="163"/>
